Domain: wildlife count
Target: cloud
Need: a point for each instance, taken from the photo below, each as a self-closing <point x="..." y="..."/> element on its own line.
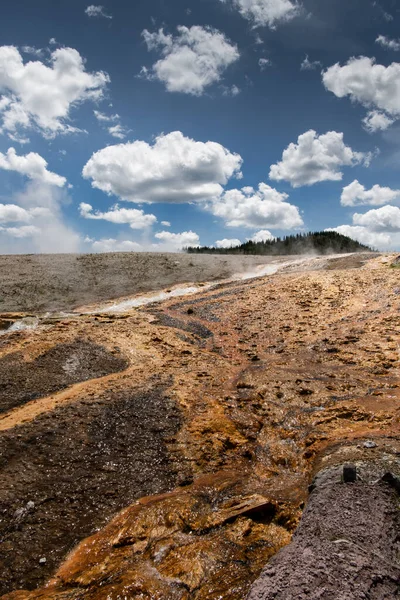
<point x="39" y="52"/>
<point x="178" y="240"/>
<point x="112" y="245"/>
<point x="231" y="91"/>
<point x="165" y="223"/>
<point x="118" y="131"/>
<point x="103" y="118"/>
<point x="169" y="242"/>
<point x="365" y="236"/>
<point x="386" y="218"/>
<point x="136" y="219"/>
<point x="266" y="13"/>
<point x="308" y="65"/>
<point x="192" y="60"/>
<point x="386" y="42"/>
<point x="377" y="121"/>
<point x="316" y="158"/>
<point x="11" y="213"/>
<point x="263" y="63"/>
<point x="174" y="169"/>
<point x="262" y="236"/>
<point x="19" y="139"/>
<point x="356" y="194"/>
<point x="265" y="207"/>
<point x="374" y="86"/>
<point x="25" y="231"/>
<point x="97" y="11"/>
<point x="40" y="96"/>
<point x="40" y="205"/>
<point x="226" y="243"/>
<point x="31" y="165"/>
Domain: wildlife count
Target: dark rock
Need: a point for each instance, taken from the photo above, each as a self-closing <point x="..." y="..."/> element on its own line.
<point x="349" y="473"/>
<point x="392" y="480"/>
<point x="369" y="444"/>
<point x="396" y="262"/>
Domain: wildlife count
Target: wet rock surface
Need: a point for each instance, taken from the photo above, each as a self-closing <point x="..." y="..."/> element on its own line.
<point x="297" y="375"/>
<point x="66" y="474"/>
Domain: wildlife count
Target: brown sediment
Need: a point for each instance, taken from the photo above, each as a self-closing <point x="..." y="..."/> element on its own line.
<point x="228" y="404"/>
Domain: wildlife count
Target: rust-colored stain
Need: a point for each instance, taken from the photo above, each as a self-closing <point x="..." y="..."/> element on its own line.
<point x="273" y="379"/>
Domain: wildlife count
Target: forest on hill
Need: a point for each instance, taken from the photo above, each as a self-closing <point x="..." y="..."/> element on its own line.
<point x="320" y="242"/>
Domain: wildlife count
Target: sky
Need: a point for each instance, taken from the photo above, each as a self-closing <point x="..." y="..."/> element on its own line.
<point x="155" y="125"/>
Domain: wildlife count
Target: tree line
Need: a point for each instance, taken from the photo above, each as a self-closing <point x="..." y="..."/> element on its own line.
<point x="320" y="242"/>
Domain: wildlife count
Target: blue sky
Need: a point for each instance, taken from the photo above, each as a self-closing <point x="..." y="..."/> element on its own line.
<point x="150" y="125"/>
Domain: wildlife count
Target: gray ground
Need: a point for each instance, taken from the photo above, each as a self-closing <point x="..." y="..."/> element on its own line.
<point x="53" y="282"/>
<point x="346" y="547"/>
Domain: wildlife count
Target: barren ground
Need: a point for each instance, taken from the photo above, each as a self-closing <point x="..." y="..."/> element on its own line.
<point x="57" y="282"/>
<point x="182" y="436"/>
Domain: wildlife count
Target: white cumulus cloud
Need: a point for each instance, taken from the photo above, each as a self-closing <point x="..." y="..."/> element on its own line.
<point x="173" y="169"/>
<point x="227" y="243"/>
<point x="374" y="86"/>
<point x="376" y="120"/>
<point x="11" y="213"/>
<point x="262" y="236"/>
<point x="118" y="131"/>
<point x="266" y="13"/>
<point x="316" y="158"/>
<point x="265" y="207"/>
<point x="386" y="219"/>
<point x="136" y="219"/>
<point x="356" y="194"/>
<point x="386" y="42"/>
<point x="192" y="60"/>
<point x="113" y="245"/>
<point x="365" y="236"/>
<point x="24" y="231"/>
<point x="40" y="96"/>
<point x="31" y="165"/>
<point x="97" y="11"/>
<point x="178" y="240"/>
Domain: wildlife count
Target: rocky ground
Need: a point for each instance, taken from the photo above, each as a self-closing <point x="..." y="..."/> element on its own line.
<point x="59" y="282"/>
<point x="182" y="437"/>
<point x="346" y="546"/>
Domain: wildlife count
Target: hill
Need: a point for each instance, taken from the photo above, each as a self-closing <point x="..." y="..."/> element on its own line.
<point x="321" y="242"/>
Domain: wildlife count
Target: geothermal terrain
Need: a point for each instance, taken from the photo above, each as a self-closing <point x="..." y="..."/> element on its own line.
<point x="178" y="447"/>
